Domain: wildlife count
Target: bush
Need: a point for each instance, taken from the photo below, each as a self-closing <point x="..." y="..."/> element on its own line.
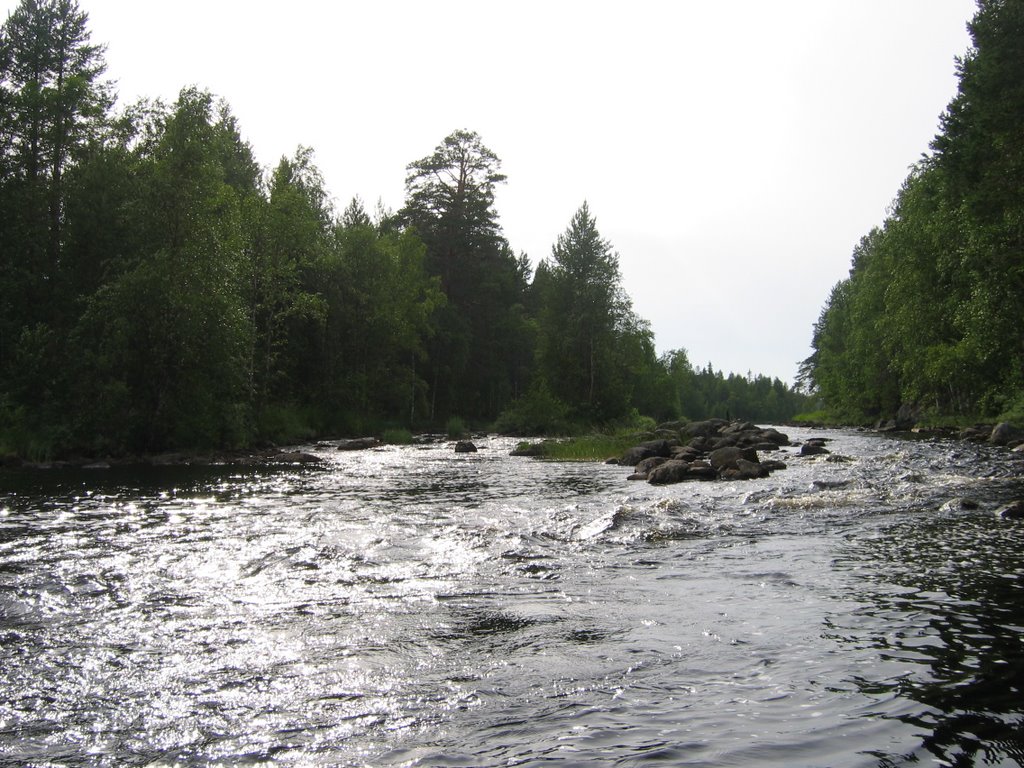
<point x="538" y="412"/>
<point x="397" y="436"/>
<point x="455" y="428"/>
<point x="1013" y="411"/>
<point x="286" y="424"/>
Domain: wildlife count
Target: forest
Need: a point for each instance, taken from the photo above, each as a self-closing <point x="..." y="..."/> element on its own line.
<point x="931" y="317"/>
<point x="160" y="289"/>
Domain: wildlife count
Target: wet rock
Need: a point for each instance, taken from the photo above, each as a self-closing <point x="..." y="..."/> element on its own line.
<point x="1004" y="433"/>
<point x="976" y="434"/>
<point x="704" y="428"/>
<point x="813" y="449"/>
<point x="750" y="470"/>
<point x="959" y="505"/>
<point x="294" y="457"/>
<point x="1012" y="511"/>
<point x="773" y="435"/>
<point x="645" y="466"/>
<point x="638" y="453"/>
<point x="702" y="470"/>
<point x="358" y="444"/>
<point x="465" y="446"/>
<point x="727" y="458"/>
<point x="724" y="444"/>
<point x="830" y="485"/>
<point x="671" y="471"/>
<point x="685" y="453"/>
<point x="906" y="416"/>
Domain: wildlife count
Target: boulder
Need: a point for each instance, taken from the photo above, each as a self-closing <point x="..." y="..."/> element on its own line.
<point x="906" y="416"/>
<point x="702" y="470"/>
<point x="773" y="435"/>
<point x="638" y="453"/>
<point x="976" y="434"/>
<point x="465" y="446"/>
<point x="294" y="457"/>
<point x="739" y="426"/>
<point x="1003" y="433"/>
<point x="813" y="449"/>
<point x="727" y="458"/>
<point x="704" y="428"/>
<point x="646" y="465"/>
<point x="685" y="453"/>
<point x="750" y="470"/>
<point x="669" y="472"/>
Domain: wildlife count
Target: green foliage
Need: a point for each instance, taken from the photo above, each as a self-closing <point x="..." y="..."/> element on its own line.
<point x="455" y="428"/>
<point x="160" y="290"/>
<point x="397" y="436"/>
<point x="287" y="424"/>
<point x="932" y="310"/>
<point x="538" y="412"/>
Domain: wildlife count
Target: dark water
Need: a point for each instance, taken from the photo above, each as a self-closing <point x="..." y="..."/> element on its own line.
<point x="415" y="607"/>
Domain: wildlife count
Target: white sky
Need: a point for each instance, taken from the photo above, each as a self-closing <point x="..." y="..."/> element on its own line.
<point x="732" y="152"/>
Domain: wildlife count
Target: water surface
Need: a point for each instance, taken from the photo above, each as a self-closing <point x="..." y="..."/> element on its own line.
<point x="413" y="606"/>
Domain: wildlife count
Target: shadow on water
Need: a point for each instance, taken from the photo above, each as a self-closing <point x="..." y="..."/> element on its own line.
<point x="943" y="609"/>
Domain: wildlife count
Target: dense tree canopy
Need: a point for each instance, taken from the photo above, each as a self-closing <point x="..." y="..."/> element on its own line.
<point x="932" y="311"/>
<point x="160" y="290"/>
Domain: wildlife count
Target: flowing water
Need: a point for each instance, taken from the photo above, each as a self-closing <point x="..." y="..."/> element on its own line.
<point x="413" y="606"/>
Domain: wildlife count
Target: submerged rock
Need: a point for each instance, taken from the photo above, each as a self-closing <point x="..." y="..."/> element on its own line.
<point x="814" y="448"/>
<point x="294" y="457"/>
<point x="1012" y="511"/>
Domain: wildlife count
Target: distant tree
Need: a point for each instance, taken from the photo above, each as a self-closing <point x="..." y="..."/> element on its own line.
<point x="584" y="318"/>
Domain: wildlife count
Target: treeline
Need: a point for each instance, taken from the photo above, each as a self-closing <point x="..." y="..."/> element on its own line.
<point x="159" y="289"/>
<point x="932" y="314"/>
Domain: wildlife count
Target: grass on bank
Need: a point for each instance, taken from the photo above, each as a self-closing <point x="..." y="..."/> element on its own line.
<point x="594" y="447"/>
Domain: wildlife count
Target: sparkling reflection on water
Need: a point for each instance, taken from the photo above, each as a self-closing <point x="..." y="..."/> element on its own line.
<point x="411" y="606"/>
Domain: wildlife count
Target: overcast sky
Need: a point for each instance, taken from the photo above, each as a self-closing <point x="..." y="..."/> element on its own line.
<point x="733" y="153"/>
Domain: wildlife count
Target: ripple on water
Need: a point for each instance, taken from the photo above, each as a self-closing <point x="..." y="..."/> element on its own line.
<point x="410" y="606"/>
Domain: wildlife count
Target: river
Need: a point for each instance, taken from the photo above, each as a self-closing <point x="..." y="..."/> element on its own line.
<point x="411" y="606"/>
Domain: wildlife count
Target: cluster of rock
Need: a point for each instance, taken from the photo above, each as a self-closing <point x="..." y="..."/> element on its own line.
<point x="1003" y="434"/>
<point x="704" y="450"/>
